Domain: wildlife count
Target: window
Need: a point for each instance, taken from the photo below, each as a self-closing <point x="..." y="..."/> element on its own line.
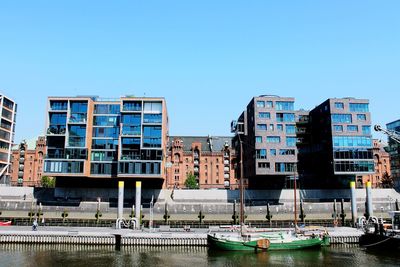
<point x="271" y="127"/>
<point x="269" y="104"/>
<point x="287" y="152"/>
<point x="272" y="152"/>
<point x="284" y="105"/>
<point x="105" y="121"/>
<point x="290" y="129"/>
<point x="290" y="141"/>
<point x="285" y="117"/>
<point x="352" y="141"/>
<point x="366" y="130"/>
<point x="152" y="107"/>
<point x="77" y="136"/>
<point x="361" y="117"/>
<point x="264" y="115"/>
<point x="279" y="127"/>
<point x="339" y="105"/>
<point x="352" y="128"/>
<point x="152" y="118"/>
<point x="263" y="165"/>
<point x="258" y="139"/>
<point x="152" y="136"/>
<point x="273" y="139"/>
<point x="354" y="166"/>
<point x="284" y="167"/>
<point x="261" y="153"/>
<point x="132" y="106"/>
<point x="338" y="128"/>
<point x="260" y="104"/>
<point x="358" y="107"/>
<point x="58" y="105"/>
<point x="341" y="118"/>
<point x="78" y="107"/>
<point x="106" y="109"/>
<point x="262" y="127"/>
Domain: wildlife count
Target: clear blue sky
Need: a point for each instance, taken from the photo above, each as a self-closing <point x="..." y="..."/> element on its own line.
<point x="207" y="58"/>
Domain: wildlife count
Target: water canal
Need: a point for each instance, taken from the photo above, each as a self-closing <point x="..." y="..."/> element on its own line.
<point x="69" y="255"/>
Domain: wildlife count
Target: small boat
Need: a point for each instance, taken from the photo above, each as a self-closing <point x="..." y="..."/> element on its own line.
<point x="378" y="236"/>
<point x="8" y="223"/>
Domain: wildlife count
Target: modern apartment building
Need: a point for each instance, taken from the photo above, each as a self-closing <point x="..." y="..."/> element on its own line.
<point x="95" y="142"/>
<point x="394" y="151"/>
<point x="267" y="130"/>
<point x="211" y="159"/>
<point x="7" y="129"/>
<point x="382" y="166"/>
<point x="339" y="146"/>
<point x="27" y="162"/>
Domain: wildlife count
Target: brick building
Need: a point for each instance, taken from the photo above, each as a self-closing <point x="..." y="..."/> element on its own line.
<point x="382" y="165"/>
<point x="27" y="162"/>
<point x="210" y="159"/>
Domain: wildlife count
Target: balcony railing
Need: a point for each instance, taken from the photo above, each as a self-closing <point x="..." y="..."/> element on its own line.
<point x="77" y="118"/>
<point x="56" y="129"/>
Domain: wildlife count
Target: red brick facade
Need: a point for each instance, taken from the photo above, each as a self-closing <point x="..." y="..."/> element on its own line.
<point x="213" y="166"/>
<point x="27" y="163"/>
<point x="382" y="165"/>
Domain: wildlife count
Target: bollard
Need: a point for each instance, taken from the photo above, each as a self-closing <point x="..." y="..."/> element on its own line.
<point x="138" y="202"/>
<point x="369" y="211"/>
<point x="353" y="203"/>
<point x="120" y="202"/>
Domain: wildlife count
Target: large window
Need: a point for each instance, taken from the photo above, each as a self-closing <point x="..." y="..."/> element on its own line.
<point x="106" y="132"/>
<point x="261" y="153"/>
<point x="284" y="167"/>
<point x="264" y="115"/>
<point x="338" y="128"/>
<point x="339" y="105"/>
<point x="63" y="166"/>
<point x="366" y="130"/>
<point x="132" y="106"/>
<point x="285" y="117"/>
<point x="354" y="166"/>
<point x="58" y="105"/>
<point x="105" y="144"/>
<point x="352" y="141"/>
<point x="77" y="136"/>
<point x="151" y="136"/>
<point x="262" y="127"/>
<point x="152" y="118"/>
<point x="341" y="118"/>
<point x="58" y="118"/>
<point x="153" y="107"/>
<point x="273" y="139"/>
<point x="361" y="117"/>
<point x="78" y="107"/>
<point x="352" y="128"/>
<point x="106" y="109"/>
<point x="260" y="104"/>
<point x="358" y="107"/>
<point x="290" y="141"/>
<point x="290" y="129"/>
<point x="139" y="167"/>
<point x="104" y="168"/>
<point x="352" y="153"/>
<point x="284" y="105"/>
<point x="131" y="119"/>
<point x="106" y="121"/>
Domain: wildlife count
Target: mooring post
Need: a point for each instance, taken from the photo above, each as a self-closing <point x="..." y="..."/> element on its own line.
<point x="369" y="211"/>
<point x="120" y="203"/>
<point x="138" y="202"/>
<point x="353" y="203"/>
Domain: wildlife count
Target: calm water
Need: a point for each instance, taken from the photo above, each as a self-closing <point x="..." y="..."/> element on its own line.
<point x="67" y="255"/>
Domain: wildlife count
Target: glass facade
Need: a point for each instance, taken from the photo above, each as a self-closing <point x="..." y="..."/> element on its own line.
<point x="284" y="105"/>
<point x="359" y="107"/>
<point x="352" y="141"/>
<point x="341" y="118"/>
<point x="354" y="166"/>
<point x="151" y="136"/>
<point x="106" y="109"/>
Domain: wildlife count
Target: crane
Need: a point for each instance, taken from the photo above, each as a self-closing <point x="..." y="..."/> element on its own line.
<point x="392" y="134"/>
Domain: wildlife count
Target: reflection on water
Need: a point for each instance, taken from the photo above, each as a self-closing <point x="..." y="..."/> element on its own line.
<point x="72" y="255"/>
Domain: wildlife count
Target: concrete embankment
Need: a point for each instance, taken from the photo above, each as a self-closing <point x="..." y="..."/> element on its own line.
<point x="104" y="236"/>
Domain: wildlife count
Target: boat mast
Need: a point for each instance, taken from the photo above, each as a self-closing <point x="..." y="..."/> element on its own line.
<point x="241" y="187"/>
<point x="295" y="198"/>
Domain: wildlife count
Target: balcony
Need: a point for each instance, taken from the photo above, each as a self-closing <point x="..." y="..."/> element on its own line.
<point x="56" y="129"/>
<point x="77" y="118"/>
<point x="131" y="130"/>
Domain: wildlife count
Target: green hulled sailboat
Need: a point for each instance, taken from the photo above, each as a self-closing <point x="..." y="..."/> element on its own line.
<point x="247" y="240"/>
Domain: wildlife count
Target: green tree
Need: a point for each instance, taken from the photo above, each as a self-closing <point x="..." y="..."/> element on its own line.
<point x="191" y="181"/>
<point x="48" y="182"/>
<point x="387" y="181"/>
